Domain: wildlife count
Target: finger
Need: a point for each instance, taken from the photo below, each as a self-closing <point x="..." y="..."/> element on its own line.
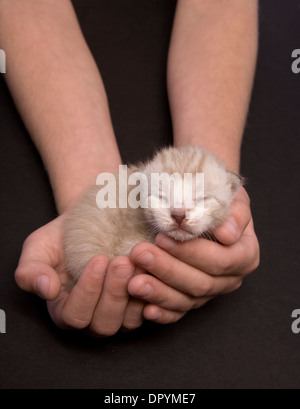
<point x="77" y="309"/>
<point x="133" y="317"/>
<point x="233" y="228"/>
<point x="110" y="311"/>
<point x="180" y="275"/>
<point x="154" y="291"/>
<point x="214" y="258"/>
<point x="250" y="241"/>
<point x="36" y="269"/>
<point x="161" y="315"/>
<point x="38" y="277"/>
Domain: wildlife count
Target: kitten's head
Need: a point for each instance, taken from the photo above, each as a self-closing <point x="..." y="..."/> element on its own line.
<point x="186" y="207"/>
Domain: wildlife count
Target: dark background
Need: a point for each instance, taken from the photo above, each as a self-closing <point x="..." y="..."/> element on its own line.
<point x="242" y="340"/>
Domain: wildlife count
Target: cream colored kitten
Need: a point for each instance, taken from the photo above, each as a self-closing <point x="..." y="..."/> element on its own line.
<point x="184" y="207"/>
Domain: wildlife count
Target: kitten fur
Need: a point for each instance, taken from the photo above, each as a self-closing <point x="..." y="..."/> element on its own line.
<point x="89" y="230"/>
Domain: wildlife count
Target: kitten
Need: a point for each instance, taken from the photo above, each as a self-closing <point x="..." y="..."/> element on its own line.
<point x="181" y="207"/>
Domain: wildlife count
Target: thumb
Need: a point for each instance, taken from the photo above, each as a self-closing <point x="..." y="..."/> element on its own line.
<point x="231" y="231"/>
<point x="37" y="277"/>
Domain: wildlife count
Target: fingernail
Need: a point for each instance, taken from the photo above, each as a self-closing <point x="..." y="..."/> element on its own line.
<point x="165" y="242"/>
<point x="232" y="227"/>
<point x="145" y="291"/>
<point x="42" y="285"/>
<point x="123" y="272"/>
<point x="145" y="258"/>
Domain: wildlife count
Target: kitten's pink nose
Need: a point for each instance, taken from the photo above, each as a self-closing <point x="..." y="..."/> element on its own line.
<point x="178" y="216"/>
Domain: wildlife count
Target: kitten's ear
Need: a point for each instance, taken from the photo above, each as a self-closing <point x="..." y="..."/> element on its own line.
<point x="235" y="181"/>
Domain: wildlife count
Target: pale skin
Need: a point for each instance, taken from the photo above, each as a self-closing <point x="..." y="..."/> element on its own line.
<point x="210" y="73"/>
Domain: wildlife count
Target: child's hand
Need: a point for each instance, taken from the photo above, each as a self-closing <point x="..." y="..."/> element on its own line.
<point x="99" y="302"/>
<point x="187" y="275"/>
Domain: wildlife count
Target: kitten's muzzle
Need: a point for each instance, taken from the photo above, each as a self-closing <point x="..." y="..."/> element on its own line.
<point x="178" y="215"/>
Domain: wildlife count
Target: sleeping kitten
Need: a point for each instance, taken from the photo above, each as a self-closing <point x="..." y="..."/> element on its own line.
<point x="183" y="207"/>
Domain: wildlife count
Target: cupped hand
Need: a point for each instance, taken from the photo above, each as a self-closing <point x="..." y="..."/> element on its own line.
<point x="98" y="303"/>
<point x="184" y="275"/>
<point x="187" y="275"/>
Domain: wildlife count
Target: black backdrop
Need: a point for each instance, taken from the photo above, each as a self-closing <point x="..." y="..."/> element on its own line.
<point x="242" y="340"/>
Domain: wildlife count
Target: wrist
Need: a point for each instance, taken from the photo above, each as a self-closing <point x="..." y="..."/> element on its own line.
<point x="73" y="165"/>
<point x="228" y="151"/>
<point x="69" y="186"/>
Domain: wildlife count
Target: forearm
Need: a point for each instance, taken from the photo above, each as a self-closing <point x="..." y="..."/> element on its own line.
<point x="211" y="67"/>
<point x="59" y="93"/>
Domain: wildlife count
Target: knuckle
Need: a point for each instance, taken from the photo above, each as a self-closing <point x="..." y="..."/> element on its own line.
<point x="122" y="268"/>
<point x="255" y="259"/>
<point x="176" y="316"/>
<point x="244" y="194"/>
<point x="247" y="198"/>
<point x="19" y="275"/>
<point x="118" y="293"/>
<point x="232" y="287"/>
<point x="28" y="240"/>
<point x="187" y="305"/>
<point x="106" y="330"/>
<point x="22" y="277"/>
<point x="200" y="302"/>
<point x="90" y="293"/>
<point x="31" y="240"/>
<point x="245" y="211"/>
<point x="237" y="285"/>
<point x="131" y="325"/>
<point x="120" y="261"/>
<point x="220" y="267"/>
<point x="256" y="262"/>
<point x="166" y="272"/>
<point x="89" y="288"/>
<point x="201" y="290"/>
<point x="74" y="322"/>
